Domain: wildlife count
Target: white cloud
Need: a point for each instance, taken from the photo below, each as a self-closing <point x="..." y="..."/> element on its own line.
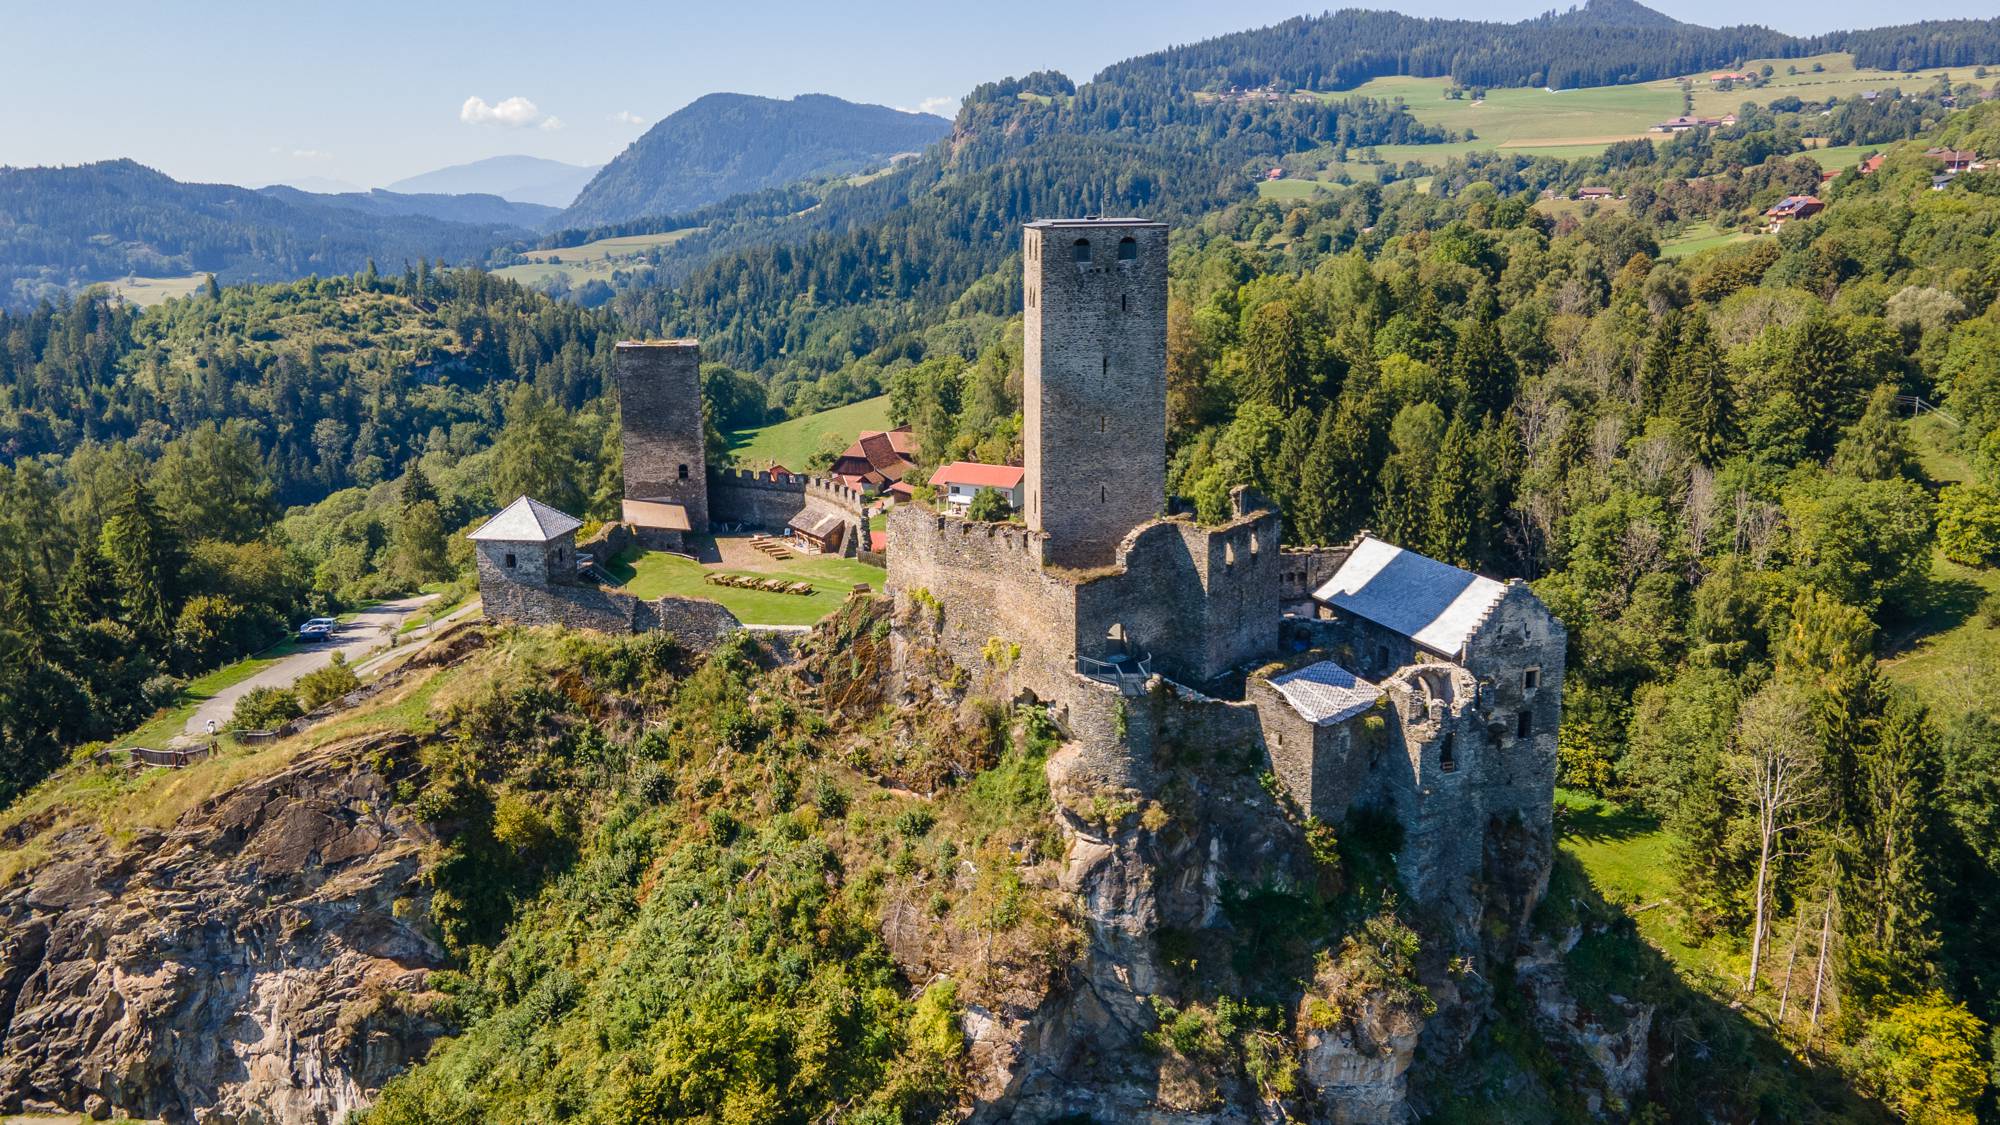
<point x="514" y="113"/>
<point x="627" y="117"/>
<point x="301" y="153"/>
<point x="943" y="107"/>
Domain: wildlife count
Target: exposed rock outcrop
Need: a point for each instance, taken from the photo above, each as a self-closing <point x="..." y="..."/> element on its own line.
<point x="264" y="960"/>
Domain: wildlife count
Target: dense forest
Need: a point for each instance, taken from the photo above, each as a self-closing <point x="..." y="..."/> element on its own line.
<point x="65" y="227"/>
<point x="1607" y="42"/>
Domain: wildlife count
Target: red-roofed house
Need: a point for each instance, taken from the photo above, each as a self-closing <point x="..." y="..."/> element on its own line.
<point x="1793" y="207"/>
<point x="1872" y="164"/>
<point x="1955" y="159"/>
<point x="962" y="480"/>
<point x="877" y="459"/>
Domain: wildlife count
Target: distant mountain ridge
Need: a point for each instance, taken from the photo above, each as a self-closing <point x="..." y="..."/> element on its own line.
<point x="522" y="179"/>
<point x="62" y="227"/>
<point x="722" y="145"/>
<point x="485" y="210"/>
<point x="1604" y="43"/>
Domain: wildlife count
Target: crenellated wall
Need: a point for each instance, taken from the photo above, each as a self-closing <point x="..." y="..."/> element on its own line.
<point x="770" y="501"/>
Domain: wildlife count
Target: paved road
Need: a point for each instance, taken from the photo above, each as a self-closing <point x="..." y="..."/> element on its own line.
<point x="353" y="639"/>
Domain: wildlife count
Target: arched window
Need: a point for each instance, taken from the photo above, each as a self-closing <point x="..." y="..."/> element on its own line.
<point x="1128" y="249"/>
<point x="1448" y="753"/>
<point x="1080" y="250"/>
<point x="684" y="472"/>
<point x="1228" y="555"/>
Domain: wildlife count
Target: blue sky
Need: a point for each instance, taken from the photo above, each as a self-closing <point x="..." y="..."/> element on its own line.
<point x="367" y="92"/>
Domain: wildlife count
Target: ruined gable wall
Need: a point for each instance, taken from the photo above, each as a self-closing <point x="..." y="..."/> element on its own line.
<point x="1200" y="601"/>
<point x="1519" y="634"/>
<point x="1302" y="570"/>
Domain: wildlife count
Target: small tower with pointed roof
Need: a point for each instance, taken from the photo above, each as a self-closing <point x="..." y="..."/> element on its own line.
<point x="527" y="544"/>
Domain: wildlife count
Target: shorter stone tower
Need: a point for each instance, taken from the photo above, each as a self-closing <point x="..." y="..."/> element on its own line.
<point x="1094" y="382"/>
<point x="659" y="396"/>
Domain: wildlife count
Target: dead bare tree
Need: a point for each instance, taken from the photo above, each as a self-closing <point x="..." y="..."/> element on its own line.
<point x="1774" y="765"/>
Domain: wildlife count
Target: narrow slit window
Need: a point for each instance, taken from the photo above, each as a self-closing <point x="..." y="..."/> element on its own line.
<point x="1100" y="423"/>
<point x="1448" y="753"/>
<point x="1524" y="724"/>
<point x="1103" y="495"/>
<point x="1124" y="302"/>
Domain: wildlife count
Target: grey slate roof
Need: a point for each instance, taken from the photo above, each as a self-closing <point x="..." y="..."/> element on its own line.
<point x="1434" y="604"/>
<point x="1326" y="693"/>
<point x="526" y="521"/>
<point x="818" y="524"/>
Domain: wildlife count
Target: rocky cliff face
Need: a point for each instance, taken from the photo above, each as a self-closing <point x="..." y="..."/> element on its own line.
<point x="251" y="964"/>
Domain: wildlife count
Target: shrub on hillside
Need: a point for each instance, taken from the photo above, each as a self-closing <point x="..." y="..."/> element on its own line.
<point x="1969" y="524"/>
<point x="265" y="708"/>
<point x="322" y="686"/>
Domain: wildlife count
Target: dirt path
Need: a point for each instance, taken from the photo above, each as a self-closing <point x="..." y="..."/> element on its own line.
<point x="352" y="639"/>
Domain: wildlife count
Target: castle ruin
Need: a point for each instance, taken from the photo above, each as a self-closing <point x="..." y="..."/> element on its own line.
<point x="1369" y="676"/>
<point x="1365" y="675"/>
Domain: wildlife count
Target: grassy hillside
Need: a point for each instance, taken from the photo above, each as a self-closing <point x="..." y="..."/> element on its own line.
<point x="1511" y="119"/>
<point x="791" y="443"/>
<point x="591" y="261"/>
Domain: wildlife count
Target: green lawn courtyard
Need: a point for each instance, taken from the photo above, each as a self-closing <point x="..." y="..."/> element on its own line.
<point x="653" y="574"/>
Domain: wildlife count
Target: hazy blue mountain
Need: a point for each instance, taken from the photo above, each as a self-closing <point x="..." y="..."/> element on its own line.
<point x="481" y="209"/>
<point x="523" y="179"/>
<point x="60" y="227"/>
<point x="726" y="144"/>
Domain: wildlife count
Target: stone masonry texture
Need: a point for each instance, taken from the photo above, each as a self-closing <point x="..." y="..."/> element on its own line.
<point x="659" y="398"/>
<point x="1094" y="382"/>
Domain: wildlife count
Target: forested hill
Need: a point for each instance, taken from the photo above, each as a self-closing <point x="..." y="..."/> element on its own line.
<point x="1604" y="43"/>
<point x="62" y="227"/>
<point x="727" y="144"/>
<point x="822" y="280"/>
<point x="479" y="208"/>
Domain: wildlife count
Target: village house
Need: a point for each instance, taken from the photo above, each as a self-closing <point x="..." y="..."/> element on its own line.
<point x="1595" y="193"/>
<point x="877" y="459"/>
<point x="1871" y="165"/>
<point x="1955" y="160"/>
<point x="960" y="481"/>
<point x="1793" y="207"/>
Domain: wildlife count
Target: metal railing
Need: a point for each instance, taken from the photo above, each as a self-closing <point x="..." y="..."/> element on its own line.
<point x="1130" y="672"/>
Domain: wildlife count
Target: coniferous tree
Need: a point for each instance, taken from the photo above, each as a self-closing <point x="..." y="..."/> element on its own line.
<point x="1874" y="448"/>
<point x="1449" y="507"/>
<point x="1699" y="394"/>
<point x="148" y="556"/>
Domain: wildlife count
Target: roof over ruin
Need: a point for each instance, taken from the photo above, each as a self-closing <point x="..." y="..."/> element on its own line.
<point x="1326" y="693"/>
<point x="656" y="513"/>
<point x="818" y="523"/>
<point x="526" y="521"/>
<point x="1434" y="604"/>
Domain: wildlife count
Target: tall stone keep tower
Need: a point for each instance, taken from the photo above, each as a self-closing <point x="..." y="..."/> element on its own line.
<point x="659" y="397"/>
<point x="1094" y="382"/>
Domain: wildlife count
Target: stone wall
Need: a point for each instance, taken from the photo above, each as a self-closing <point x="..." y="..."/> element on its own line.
<point x="1094" y="382"/>
<point x="987" y="583"/>
<point x="664" y="436"/>
<point x="534" y="564"/>
<point x="767" y="501"/>
<point x="1200" y="601"/>
<point x="1301" y="570"/>
<point x="696" y="623"/>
